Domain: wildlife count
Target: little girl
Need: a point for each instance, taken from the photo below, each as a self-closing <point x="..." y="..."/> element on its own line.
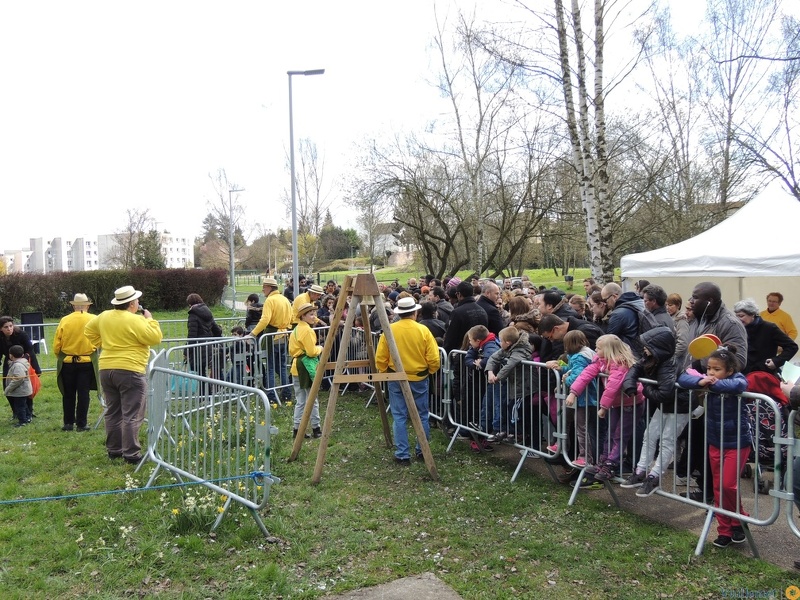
<point x="614" y="358"/>
<point x="579" y="357"/>
<point x="729" y="435"/>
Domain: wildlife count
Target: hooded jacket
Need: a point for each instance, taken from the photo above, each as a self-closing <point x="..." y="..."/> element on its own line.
<point x="726" y="326"/>
<point x="18" y="383"/>
<point x="467" y="314"/>
<point x="576" y="363"/>
<point x="507" y="366"/>
<point x="613" y="394"/>
<point x="661" y="367"/>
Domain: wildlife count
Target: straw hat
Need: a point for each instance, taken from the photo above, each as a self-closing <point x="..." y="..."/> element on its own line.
<point x="406" y="305"/>
<point x="315" y="289"/>
<point x="80" y="300"/>
<point x="269" y="281"/>
<point x="125" y="294"/>
<point x="304" y="308"/>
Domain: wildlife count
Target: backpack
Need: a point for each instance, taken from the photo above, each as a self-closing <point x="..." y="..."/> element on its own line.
<point x="647" y="321"/>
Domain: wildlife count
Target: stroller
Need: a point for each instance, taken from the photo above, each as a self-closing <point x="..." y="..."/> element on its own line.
<point x="762" y="424"/>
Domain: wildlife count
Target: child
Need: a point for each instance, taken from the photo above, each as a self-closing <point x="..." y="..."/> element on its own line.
<point x="729" y="435"/>
<point x="482" y="345"/>
<point x="579" y="356"/>
<point x="239" y="357"/>
<point x="658" y="363"/>
<point x="614" y="358"/>
<point x="303" y="343"/>
<point x="18" y="385"/>
<point x="506" y="365"/>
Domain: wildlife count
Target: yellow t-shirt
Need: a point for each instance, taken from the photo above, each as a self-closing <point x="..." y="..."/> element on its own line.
<point x="416" y="346"/>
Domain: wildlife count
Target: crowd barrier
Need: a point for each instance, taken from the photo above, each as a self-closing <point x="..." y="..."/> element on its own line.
<point x="538" y="423"/>
<point x="212" y="432"/>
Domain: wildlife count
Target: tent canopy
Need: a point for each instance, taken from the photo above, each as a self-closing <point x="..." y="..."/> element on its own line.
<point x="758" y="240"/>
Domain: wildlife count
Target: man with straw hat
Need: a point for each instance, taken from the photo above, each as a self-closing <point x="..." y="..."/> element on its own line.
<point x="276" y="316"/>
<point x="125" y="338"/>
<point x="76" y="371"/>
<point x="310" y="296"/>
<point x="420" y="357"/>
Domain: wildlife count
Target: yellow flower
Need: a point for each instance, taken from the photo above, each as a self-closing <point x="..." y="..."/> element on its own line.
<point x="289" y="404"/>
<point x="175" y="511"/>
<point x="220" y="509"/>
<point x="251" y="458"/>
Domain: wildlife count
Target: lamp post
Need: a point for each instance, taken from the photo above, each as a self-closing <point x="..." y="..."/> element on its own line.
<point x="230" y="241"/>
<point x="295" y="249"/>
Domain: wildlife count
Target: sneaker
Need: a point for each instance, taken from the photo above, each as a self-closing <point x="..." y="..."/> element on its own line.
<point x="83" y="428"/>
<point x="403" y="462"/>
<point x="634" y="481"/>
<point x="67" y="427"/>
<point x="738" y="536"/>
<point x="552" y="448"/>
<point x="723" y="541"/>
<point x="683" y="481"/>
<point x="579" y="462"/>
<point x="605" y="472"/>
<point x="567" y="475"/>
<point x="696" y="495"/>
<point x="316" y="433"/>
<point x="587" y="482"/>
<point x="650" y="485"/>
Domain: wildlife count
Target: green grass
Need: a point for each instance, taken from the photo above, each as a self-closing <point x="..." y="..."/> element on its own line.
<point x="367" y="522"/>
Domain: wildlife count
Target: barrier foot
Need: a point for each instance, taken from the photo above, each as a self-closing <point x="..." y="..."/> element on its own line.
<point x="750" y="540"/>
<point x="611" y="491"/>
<point x="704" y="534"/>
<point x="523" y="456"/>
<point x="576" y="488"/>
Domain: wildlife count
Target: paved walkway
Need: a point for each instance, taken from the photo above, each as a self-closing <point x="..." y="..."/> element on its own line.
<point x="419" y="587"/>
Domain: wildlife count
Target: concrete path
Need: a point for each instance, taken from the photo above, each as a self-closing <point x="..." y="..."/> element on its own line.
<point x="419" y="587"/>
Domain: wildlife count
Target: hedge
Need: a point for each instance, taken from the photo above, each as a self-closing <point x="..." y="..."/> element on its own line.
<point x="50" y="293"/>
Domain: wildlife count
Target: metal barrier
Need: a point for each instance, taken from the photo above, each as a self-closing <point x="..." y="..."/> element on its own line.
<point x="790" y="491"/>
<point x="220" y="439"/>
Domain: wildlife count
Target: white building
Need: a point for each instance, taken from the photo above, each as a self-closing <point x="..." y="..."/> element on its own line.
<point x="89" y="253"/>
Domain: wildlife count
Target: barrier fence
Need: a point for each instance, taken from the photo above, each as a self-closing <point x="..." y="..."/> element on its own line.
<point x="209" y="422"/>
<point x="528" y="411"/>
<point x="212" y="432"/>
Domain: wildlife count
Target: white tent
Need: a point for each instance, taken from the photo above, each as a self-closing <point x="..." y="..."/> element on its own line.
<point x="751" y="253"/>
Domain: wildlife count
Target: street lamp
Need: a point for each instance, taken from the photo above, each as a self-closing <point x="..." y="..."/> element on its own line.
<point x="295" y="253"/>
<point x="230" y="242"/>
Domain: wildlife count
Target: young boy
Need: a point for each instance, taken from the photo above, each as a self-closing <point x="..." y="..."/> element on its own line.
<point x="303" y="343"/>
<point x="483" y="344"/>
<point x="506" y="365"/>
<point x="18" y="385"/>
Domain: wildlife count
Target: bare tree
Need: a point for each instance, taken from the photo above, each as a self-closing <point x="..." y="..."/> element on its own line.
<point x="122" y="254"/>
<point x="312" y="200"/>
<point x="225" y="211"/>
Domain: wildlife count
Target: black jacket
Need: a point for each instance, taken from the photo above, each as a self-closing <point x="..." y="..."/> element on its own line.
<point x="467" y="314"/>
<point x="763" y="340"/>
<point x="663" y="369"/>
<point x="18" y="338"/>
<point x="201" y="323"/>
<point x="495" y="320"/>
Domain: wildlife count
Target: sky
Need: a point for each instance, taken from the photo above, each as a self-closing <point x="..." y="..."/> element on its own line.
<point x="109" y="106"/>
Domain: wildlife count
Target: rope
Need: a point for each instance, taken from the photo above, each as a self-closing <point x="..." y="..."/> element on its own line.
<point x="256" y="476"/>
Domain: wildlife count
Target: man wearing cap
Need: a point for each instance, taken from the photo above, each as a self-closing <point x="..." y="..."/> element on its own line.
<point x="276" y="316"/>
<point x="76" y="371"/>
<point x="419" y="355"/>
<point x="125" y="339"/>
<point x="310" y="296"/>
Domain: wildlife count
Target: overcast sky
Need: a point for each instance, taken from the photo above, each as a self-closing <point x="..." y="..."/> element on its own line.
<point x="110" y="105"/>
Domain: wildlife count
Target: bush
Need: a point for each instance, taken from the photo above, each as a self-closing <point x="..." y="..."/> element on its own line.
<point x="50" y="293"/>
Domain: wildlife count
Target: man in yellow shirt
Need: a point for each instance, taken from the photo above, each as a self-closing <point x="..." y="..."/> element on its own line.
<point x="310" y="296"/>
<point x="276" y="317"/>
<point x="775" y="314"/>
<point x="420" y="357"/>
<point x="125" y="338"/>
<point x="77" y="362"/>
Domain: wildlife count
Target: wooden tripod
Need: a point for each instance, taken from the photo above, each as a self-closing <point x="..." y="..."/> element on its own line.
<point x="365" y="293"/>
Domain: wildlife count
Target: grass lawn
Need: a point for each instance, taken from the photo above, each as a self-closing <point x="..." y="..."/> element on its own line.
<point x="368" y="521"/>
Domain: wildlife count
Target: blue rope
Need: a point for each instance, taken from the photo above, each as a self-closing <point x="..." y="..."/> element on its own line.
<point x="256" y="476"/>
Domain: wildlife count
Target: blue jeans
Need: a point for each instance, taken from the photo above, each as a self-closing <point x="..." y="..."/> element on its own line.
<point x="496" y="394"/>
<point x="397" y="404"/>
<point x="277" y="360"/>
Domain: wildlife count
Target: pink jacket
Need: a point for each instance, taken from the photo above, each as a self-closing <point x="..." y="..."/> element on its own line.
<point x="612" y="390"/>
